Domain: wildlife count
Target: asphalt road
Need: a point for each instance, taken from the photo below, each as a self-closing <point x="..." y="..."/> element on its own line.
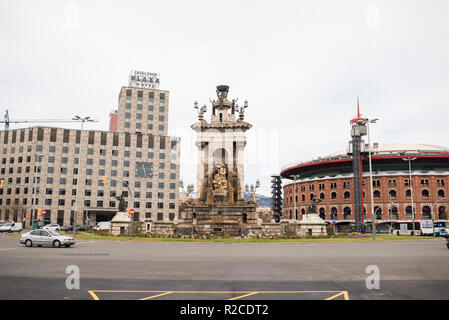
<point x="170" y="270"/>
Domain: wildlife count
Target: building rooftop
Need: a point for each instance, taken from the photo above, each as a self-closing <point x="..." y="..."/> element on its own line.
<point x="396" y="148"/>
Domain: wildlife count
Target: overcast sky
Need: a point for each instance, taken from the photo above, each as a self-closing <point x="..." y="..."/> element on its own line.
<point x="300" y="64"/>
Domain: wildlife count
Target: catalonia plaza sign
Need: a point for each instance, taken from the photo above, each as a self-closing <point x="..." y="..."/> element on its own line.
<point x="143" y="79"/>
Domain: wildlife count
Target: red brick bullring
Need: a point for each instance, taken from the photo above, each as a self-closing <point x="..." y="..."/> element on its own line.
<point x="331" y="179"/>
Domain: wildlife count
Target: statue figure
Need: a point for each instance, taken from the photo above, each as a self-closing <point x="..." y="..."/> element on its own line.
<point x="234" y="105"/>
<point x="222" y="92"/>
<point x="312" y="207"/>
<point x="242" y="110"/>
<point x="220" y="182"/>
<point x="122" y="203"/>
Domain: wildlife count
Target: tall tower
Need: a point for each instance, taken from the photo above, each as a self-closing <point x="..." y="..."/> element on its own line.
<point x="221" y="143"/>
<point x="142" y="106"/>
<point x="356" y="148"/>
<point x="220" y="207"/>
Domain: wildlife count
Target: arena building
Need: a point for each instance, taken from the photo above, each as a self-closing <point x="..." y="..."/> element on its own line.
<point x="330" y="178"/>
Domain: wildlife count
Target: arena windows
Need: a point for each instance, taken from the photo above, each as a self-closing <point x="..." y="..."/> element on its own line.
<point x="392" y="194"/>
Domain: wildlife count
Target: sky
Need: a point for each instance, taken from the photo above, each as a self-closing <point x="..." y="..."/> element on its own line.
<point x="300" y="65"/>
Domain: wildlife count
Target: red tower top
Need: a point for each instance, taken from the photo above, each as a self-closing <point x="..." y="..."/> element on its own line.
<point x="358" y="119"/>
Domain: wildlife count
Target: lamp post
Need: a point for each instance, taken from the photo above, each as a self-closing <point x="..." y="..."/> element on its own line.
<point x="252" y="189"/>
<point x="371" y="179"/>
<point x="295" y="178"/>
<point x="37" y="168"/>
<point x="82" y="120"/>
<point x="410" y="159"/>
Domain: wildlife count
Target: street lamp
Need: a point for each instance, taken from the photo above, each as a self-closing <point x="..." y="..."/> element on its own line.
<point x="37" y="169"/>
<point x="295" y="178"/>
<point x="410" y="159"/>
<point x="371" y="179"/>
<point x="82" y="120"/>
<point x="252" y="189"/>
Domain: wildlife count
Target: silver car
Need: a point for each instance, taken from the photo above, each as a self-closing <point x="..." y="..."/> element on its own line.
<point x="46" y="238"/>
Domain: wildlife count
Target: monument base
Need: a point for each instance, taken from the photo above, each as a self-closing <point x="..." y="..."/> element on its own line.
<point x="119" y="224"/>
<point x="312" y="225"/>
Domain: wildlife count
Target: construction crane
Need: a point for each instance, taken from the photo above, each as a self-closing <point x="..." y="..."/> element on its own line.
<point x="7" y="121"/>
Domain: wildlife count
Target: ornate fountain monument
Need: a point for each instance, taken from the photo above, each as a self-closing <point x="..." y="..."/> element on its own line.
<point x="220" y="208"/>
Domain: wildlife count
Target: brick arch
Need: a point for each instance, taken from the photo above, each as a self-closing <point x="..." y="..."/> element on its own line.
<point x="442" y="212"/>
<point x="393" y="193"/>
<point x="426" y="212"/>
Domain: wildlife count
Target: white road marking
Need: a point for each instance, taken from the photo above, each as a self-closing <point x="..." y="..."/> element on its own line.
<point x="4" y="249"/>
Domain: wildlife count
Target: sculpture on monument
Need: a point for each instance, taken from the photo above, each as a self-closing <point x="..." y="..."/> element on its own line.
<point x="122" y="203"/>
<point x="220" y="183"/>
<point x="311" y="209"/>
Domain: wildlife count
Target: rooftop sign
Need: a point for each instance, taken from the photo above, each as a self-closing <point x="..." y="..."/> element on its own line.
<point x="143" y="79"/>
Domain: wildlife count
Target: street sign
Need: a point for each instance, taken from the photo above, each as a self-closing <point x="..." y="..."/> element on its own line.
<point x="43" y="212"/>
<point x="131" y="211"/>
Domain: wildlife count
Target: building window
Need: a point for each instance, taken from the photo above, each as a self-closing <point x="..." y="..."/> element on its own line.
<point x="347" y="213"/>
<point x="392" y="194"/>
<point x="426" y="213"/>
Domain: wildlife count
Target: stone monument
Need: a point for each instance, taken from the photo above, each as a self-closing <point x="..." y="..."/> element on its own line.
<point x="311" y="224"/>
<point x="220" y="208"/>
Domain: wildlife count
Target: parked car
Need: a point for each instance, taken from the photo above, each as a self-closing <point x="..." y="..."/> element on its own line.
<point x="46" y="238"/>
<point x="102" y="226"/>
<point x="83" y="228"/>
<point x="78" y="228"/>
<point x="11" y="227"/>
<point x="55" y="227"/>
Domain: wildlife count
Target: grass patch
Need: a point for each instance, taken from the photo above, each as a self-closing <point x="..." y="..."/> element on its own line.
<point x="337" y="238"/>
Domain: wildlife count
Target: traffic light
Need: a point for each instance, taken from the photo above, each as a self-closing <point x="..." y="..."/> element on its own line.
<point x="2" y="182"/>
<point x="39" y="211"/>
<point x="127" y="211"/>
<point x="105" y="179"/>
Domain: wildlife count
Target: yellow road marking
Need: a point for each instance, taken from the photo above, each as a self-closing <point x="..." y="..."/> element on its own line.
<point x="245" y="295"/>
<point x="91" y="292"/>
<point x="344" y="293"/>
<point x="158" y="295"/>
